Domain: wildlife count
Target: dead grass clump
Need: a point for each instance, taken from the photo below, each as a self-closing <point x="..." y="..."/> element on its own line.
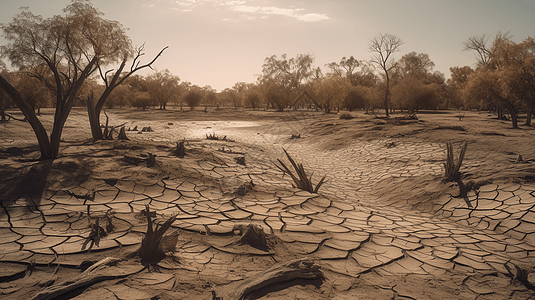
<point x="214" y="137"/>
<point x="300" y="178"/>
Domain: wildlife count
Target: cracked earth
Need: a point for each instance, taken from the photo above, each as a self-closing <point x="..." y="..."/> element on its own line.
<point x="383" y="226"/>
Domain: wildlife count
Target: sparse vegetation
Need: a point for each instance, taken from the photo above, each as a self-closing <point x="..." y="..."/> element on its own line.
<point x="214" y="137"/>
<point x="180" y="150"/>
<point x="300" y="178"/>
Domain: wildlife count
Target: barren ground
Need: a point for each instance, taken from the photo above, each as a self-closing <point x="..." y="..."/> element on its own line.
<point x="378" y="229"/>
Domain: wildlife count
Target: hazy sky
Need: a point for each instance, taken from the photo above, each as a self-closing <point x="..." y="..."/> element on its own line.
<point x="219" y="43"/>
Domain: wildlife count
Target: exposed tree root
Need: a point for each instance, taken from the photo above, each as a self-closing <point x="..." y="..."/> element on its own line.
<point x="300" y="268"/>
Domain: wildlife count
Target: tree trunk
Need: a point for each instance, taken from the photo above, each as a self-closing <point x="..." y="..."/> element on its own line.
<point x="514" y="114"/>
<point x="499" y="111"/>
<point x="94" y="119"/>
<point x="29" y="114"/>
<point x="530" y="112"/>
<point x="57" y="129"/>
<point x="387" y="92"/>
<point x="514" y="118"/>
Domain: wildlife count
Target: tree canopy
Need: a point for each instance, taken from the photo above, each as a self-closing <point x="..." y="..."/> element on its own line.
<point x="62" y="52"/>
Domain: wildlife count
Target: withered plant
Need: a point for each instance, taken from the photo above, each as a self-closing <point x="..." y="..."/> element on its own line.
<point x="451" y="168"/>
<point x="300" y="178"/>
<point x="214" y="137"/>
<point x="452" y="174"/>
<point x="151" y="249"/>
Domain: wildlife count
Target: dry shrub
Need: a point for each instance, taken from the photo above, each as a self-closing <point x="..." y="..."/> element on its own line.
<point x="346" y="116"/>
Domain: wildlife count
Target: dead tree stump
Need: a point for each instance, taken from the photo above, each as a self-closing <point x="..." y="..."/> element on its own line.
<point x="180" y="150"/>
<point x="252" y="235"/>
<point x="151" y="160"/>
<point x="122" y="134"/>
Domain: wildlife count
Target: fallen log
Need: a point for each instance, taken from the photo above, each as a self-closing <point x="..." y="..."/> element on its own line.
<point x="300" y="268"/>
<point x="105" y="269"/>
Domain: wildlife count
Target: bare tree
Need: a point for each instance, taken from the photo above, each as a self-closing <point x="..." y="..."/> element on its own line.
<point x="479" y="45"/>
<point x="113" y="81"/>
<point x="484" y="51"/>
<point x="384" y="46"/>
<point x="70" y="48"/>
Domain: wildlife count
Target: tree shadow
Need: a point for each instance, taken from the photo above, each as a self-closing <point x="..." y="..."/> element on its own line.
<point x="26" y="183"/>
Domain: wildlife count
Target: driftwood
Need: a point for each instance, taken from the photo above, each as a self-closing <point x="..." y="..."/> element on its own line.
<point x="103" y="270"/>
<point x="300" y="268"/>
